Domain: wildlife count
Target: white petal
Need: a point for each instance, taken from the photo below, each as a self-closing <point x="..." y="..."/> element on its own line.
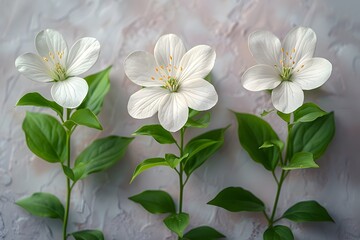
<point x="197" y="62"/>
<point x="33" y="67"/>
<point x="169" y="49"/>
<point x="69" y="93"/>
<point x="200" y="95"/>
<point x="261" y="77"/>
<point x="173" y="112"/>
<point x="140" y="68"/>
<point x="265" y="47"/>
<point x="316" y="72"/>
<point x="287" y="97"/>
<point x="145" y="102"/>
<point x="50" y="43"/>
<point x="82" y="56"/>
<point x="303" y="40"/>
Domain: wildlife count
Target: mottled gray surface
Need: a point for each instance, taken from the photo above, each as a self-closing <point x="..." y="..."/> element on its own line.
<point x="124" y="26"/>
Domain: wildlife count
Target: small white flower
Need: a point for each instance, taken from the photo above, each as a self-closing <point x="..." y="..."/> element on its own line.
<point x="286" y="69"/>
<point x="58" y="65"/>
<point x="173" y="81"/>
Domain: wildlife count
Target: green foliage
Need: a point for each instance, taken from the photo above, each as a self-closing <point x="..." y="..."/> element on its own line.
<point x="155" y="201"/>
<point x="99" y="85"/>
<point x="237" y="199"/>
<point x="45" y="137"/>
<point x="201" y="122"/>
<point x="148" y="163"/>
<point x="177" y="223"/>
<point x="307" y="211"/>
<point x="284" y="116"/>
<point x="174" y="160"/>
<point x="308" y="112"/>
<point x="35" y="99"/>
<point x="83" y="117"/>
<point x="301" y="160"/>
<point x="100" y="155"/>
<point x="203" y="232"/>
<point x="43" y="205"/>
<point x="88" y="235"/>
<point x="278" y="232"/>
<point x="157" y="132"/>
<point x="253" y="133"/>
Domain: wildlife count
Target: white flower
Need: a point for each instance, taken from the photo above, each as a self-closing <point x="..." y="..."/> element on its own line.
<point x="286" y="69"/>
<point x="173" y="81"/>
<point x="58" y="65"/>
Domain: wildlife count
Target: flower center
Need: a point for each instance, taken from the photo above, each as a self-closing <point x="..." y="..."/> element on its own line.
<point x="288" y="64"/>
<point x="172" y="84"/>
<point x="54" y="62"/>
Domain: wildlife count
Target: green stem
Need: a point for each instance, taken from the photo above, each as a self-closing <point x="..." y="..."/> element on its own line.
<point x="281" y="181"/>
<point x="181" y="171"/>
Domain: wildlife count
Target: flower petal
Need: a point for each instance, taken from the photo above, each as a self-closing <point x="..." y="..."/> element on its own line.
<point x="287" y="97"/>
<point x="303" y="41"/>
<point x="51" y="44"/>
<point x="265" y="47"/>
<point x="169" y="49"/>
<point x="145" y="102"/>
<point x="33" y="67"/>
<point x="82" y="56"/>
<point x="197" y="62"/>
<point x="69" y="93"/>
<point x="261" y="77"/>
<point x="173" y="112"/>
<point x="200" y="95"/>
<point x="316" y="72"/>
<point x="140" y="68"/>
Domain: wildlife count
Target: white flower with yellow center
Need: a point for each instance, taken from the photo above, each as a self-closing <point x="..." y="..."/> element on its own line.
<point x="286" y="69"/>
<point x="173" y="81"/>
<point x="54" y="63"/>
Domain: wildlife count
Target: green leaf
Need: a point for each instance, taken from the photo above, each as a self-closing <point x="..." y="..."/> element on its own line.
<point x="264" y="113"/>
<point x="301" y="160"/>
<point x="209" y="77"/>
<point x="237" y="199"/>
<point x="88" y="235"/>
<point x="308" y="113"/>
<point x="177" y="223"/>
<point x="68" y="172"/>
<point x="174" y="160"/>
<point x="307" y="211"/>
<point x="273" y="143"/>
<point x="45" y="137"/>
<point x="202" y="122"/>
<point x="155" y="201"/>
<point x="193" y="113"/>
<point x="312" y="136"/>
<point x="99" y="85"/>
<point x="253" y="133"/>
<point x="35" y="99"/>
<point x="284" y="116"/>
<point x="157" y="132"/>
<point x="100" y="155"/>
<point x="202" y="147"/>
<point x="43" y="205"/>
<point x="203" y="232"/>
<point x="278" y="232"/>
<point x="86" y="118"/>
<point x="148" y="163"/>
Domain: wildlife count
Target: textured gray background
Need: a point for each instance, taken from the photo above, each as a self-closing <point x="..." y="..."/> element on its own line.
<point x="124" y="26"/>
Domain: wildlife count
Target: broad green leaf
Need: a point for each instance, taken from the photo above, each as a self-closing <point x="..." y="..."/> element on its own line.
<point x="88" y="235"/>
<point x="278" y="232"/>
<point x="86" y="118"/>
<point x="273" y="143"/>
<point x="148" y="163"/>
<point x="100" y="155"/>
<point x="202" y="233"/>
<point x="284" y="116"/>
<point x="202" y="122"/>
<point x="43" y="205"/>
<point x="35" y="99"/>
<point x="45" y="137"/>
<point x="99" y="85"/>
<point x="204" y="145"/>
<point x="308" y="113"/>
<point x="68" y="172"/>
<point x="312" y="136"/>
<point x="177" y="223"/>
<point x="253" y="133"/>
<point x="237" y="199"/>
<point x="301" y="160"/>
<point x="157" y="132"/>
<point x="174" y="160"/>
<point x="155" y="201"/>
<point x="307" y="211"/>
